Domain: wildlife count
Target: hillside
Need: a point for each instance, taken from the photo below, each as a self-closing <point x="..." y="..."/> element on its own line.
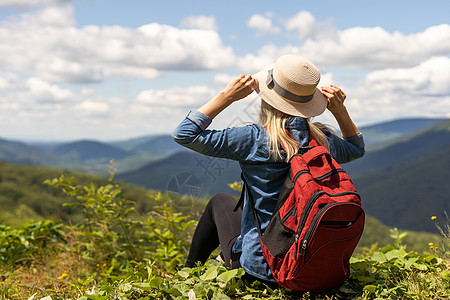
<point x="408" y="194"/>
<point x="389" y="131"/>
<point x="24" y="197"/>
<point x="209" y="175"/>
<point x="408" y="147"/>
<point x="133" y="154"/>
<point x="18" y="152"/>
<point x="87" y="150"/>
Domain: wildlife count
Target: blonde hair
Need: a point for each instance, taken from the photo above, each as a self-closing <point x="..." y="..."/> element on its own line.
<point x="275" y="123"/>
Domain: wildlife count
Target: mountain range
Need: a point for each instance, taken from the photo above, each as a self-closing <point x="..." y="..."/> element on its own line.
<point x="402" y="178"/>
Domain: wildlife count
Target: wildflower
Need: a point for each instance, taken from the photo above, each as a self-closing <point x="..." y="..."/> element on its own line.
<point x="64" y="274"/>
<point x="430" y="244"/>
<point x="433" y="218"/>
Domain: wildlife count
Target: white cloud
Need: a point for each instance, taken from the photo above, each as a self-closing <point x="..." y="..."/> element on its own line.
<point x="177" y="97"/>
<point x="199" y="22"/>
<point x="375" y="48"/>
<point x="303" y="23"/>
<point x="222" y="80"/>
<point x="267" y="55"/>
<point x="430" y="78"/>
<point x="22" y="4"/>
<point x="62" y="52"/>
<point x="45" y="92"/>
<point x="90" y="107"/>
<point x="263" y="25"/>
<point x="421" y="90"/>
<point x="354" y="48"/>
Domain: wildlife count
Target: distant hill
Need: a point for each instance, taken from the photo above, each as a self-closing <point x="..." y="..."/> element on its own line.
<point x="407" y="147"/>
<point x="408" y="194"/>
<point x="87" y="150"/>
<point x="156" y="145"/>
<point x="18" y="152"/>
<point x="388" y="131"/>
<point x="209" y="175"/>
<point x="133" y="154"/>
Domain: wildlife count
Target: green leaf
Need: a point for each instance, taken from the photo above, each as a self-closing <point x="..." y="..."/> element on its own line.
<point x="219" y="295"/>
<point x="445" y="274"/>
<point x="210" y="274"/>
<point x="370" y="288"/>
<point x="431" y="259"/>
<point x="393" y="254"/>
<point x="228" y="275"/>
<point x="387" y="248"/>
<point x="379" y="257"/>
<point x="360" y="266"/>
<point x="183" y="273"/>
<point x="146" y="286"/>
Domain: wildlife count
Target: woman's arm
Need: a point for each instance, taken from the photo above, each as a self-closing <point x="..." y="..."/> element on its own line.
<point x="336" y="98"/>
<point x="238" y="88"/>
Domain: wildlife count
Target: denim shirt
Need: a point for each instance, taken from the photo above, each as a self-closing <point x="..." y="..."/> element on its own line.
<point x="265" y="176"/>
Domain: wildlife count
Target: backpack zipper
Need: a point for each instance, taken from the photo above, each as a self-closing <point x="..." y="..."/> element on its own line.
<point x="321" y="178"/>
<point x="304" y="216"/>
<point x="316" y="221"/>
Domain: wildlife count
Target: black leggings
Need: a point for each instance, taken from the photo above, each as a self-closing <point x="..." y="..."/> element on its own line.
<point x="219" y="224"/>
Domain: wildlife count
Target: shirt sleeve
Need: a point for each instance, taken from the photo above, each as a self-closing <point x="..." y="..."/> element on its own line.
<point x="236" y="143"/>
<point x="346" y="149"/>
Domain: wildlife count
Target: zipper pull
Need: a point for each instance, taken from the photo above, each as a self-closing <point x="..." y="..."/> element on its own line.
<point x="304" y="244"/>
<point x="296" y="245"/>
<point x="303" y="251"/>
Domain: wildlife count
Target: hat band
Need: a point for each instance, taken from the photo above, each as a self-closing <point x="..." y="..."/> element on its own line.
<point x="273" y="85"/>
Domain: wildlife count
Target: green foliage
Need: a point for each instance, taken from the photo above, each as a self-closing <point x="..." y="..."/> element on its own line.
<point x="23" y="196"/>
<point x="113" y="234"/>
<point x="19" y="246"/>
<point x="393" y="273"/>
<point x="117" y="253"/>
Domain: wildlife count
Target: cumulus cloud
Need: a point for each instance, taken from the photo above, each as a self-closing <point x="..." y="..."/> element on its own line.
<point x="22" y="4"/>
<point x="199" y="22"/>
<point x="64" y="53"/>
<point x="429" y="78"/>
<point x="354" y="48"/>
<point x="421" y="90"/>
<point x="303" y="23"/>
<point x="177" y="97"/>
<point x="91" y="107"/>
<point x="263" y="25"/>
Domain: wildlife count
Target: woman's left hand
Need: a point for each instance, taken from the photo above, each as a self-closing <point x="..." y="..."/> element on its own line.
<point x="336" y="98"/>
<point x="239" y="88"/>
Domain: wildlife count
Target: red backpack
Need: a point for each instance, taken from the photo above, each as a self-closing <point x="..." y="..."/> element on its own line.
<point x="316" y="225"/>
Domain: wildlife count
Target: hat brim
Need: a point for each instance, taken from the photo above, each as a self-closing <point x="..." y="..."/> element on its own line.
<point x="316" y="106"/>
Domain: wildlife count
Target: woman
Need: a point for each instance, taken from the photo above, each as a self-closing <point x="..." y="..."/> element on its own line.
<point x="290" y="97"/>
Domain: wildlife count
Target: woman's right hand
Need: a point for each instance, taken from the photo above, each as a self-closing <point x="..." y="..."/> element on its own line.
<point x="239" y="88"/>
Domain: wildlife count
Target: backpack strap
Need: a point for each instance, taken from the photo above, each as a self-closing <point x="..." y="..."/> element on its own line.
<point x="252" y="204"/>
<point x="240" y="203"/>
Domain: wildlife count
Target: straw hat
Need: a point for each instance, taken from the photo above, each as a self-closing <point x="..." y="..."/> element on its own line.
<point x="290" y="85"/>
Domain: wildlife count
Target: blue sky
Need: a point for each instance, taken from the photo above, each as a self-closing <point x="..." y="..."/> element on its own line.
<point x="109" y="69"/>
